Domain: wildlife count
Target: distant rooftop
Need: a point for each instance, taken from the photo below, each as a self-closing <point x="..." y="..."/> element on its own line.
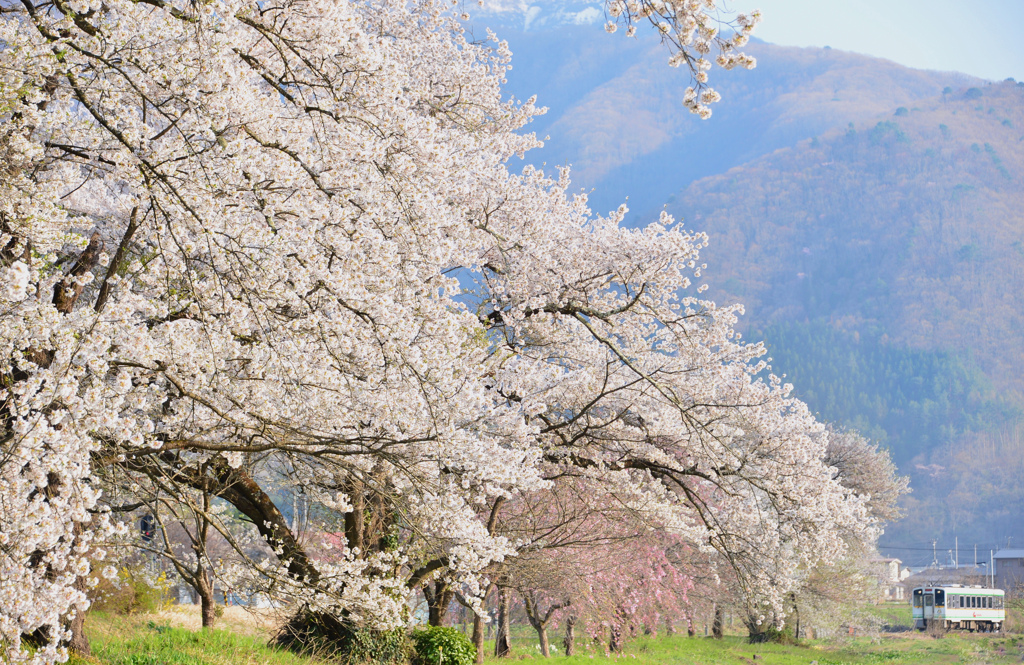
<point x="1010" y="554"/>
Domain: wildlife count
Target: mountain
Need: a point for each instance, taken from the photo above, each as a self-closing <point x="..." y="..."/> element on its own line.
<point x="616" y="114"/>
<point x="884" y="266"/>
<point x="868" y="215"/>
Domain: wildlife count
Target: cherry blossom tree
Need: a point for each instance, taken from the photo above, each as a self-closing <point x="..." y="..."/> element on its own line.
<point x="243" y="237"/>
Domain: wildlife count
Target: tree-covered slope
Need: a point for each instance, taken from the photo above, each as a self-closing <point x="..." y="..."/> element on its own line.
<point x="867" y="214"/>
<point x="908" y="226"/>
<point x="884" y="266"/>
<point x="616" y="113"/>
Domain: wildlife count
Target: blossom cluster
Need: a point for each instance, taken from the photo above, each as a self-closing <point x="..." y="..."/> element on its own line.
<point x="242" y="238"/>
<point x="691" y="29"/>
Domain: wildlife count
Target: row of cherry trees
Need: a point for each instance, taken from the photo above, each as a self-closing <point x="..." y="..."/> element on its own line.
<point x="250" y="248"/>
<point x="602" y="574"/>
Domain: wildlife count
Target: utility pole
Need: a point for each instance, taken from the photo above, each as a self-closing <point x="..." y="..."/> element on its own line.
<point x="992" y="568"/>
<point x="975" y="555"/>
<point x="935" y="557"/>
<point x="956" y="561"/>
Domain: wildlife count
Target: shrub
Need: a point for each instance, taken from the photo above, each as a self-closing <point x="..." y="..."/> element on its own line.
<point x="325" y="637"/>
<point x="437" y="645"/>
<point x="134" y="592"/>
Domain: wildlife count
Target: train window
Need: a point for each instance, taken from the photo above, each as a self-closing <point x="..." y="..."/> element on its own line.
<point x="954" y="602"/>
<point x="917" y="597"/>
<point x="998" y="603"/>
<point x="940" y="598"/>
<point x="988" y="602"/>
<point x="929" y="600"/>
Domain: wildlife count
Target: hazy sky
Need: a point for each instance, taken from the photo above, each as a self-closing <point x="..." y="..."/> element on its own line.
<point x="980" y="37"/>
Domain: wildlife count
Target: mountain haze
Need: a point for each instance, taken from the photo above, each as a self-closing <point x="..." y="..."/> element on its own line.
<point x="616" y="114"/>
<point x="867" y="214"/>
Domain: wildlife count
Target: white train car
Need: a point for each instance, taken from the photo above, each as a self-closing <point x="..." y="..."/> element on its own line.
<point x="957" y="607"/>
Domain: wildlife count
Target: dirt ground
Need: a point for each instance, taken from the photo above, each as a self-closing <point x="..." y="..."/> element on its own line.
<point x="244" y="620"/>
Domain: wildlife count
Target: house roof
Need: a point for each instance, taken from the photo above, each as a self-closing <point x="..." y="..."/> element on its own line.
<point x="1009" y="554"/>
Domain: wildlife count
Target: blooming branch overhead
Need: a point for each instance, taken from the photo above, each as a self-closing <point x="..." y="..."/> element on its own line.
<point x="240" y="238"/>
<point x="692" y="29"/>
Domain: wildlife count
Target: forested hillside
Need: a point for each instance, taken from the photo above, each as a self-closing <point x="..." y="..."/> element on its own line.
<point x="616" y="114"/>
<point x="884" y="265"/>
<point x="868" y="215"/>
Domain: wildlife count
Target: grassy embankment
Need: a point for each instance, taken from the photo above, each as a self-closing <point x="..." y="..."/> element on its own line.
<point x="151" y="640"/>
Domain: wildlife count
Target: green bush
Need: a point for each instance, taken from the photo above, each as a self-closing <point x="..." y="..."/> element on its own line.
<point x="437" y="645"/>
<point x="132" y="594"/>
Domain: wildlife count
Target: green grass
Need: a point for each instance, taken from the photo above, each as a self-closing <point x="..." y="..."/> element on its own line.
<point x="900" y="649"/>
<point x="136" y="640"/>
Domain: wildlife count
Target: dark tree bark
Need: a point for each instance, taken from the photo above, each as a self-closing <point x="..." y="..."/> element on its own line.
<point x="79" y="643"/>
<point x="438" y="600"/>
<point x="209" y="608"/>
<point x="615" y="637"/>
<point x="503" y="640"/>
<point x="478" y="638"/>
<point x="197" y="577"/>
<point x="716" y="626"/>
<point x="796" y="615"/>
<point x="478" y="623"/>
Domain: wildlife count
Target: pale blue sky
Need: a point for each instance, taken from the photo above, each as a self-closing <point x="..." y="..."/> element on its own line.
<point x="980" y="37"/>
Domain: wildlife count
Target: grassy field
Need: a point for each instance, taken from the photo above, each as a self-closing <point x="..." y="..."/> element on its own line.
<point x="906" y="648"/>
<point x="152" y="640"/>
<point x="161" y="640"/>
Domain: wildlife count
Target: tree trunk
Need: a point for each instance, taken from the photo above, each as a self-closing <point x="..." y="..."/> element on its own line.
<point x="503" y="641"/>
<point x="615" y="639"/>
<point x="796" y="615"/>
<point x="569" y="642"/>
<point x="670" y="628"/>
<point x="205" y="588"/>
<point x="545" y="646"/>
<point x="478" y="638"/>
<point x="539" y="620"/>
<point x="438" y="600"/>
<point x="716" y="627"/>
<point x="79" y="643"/>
